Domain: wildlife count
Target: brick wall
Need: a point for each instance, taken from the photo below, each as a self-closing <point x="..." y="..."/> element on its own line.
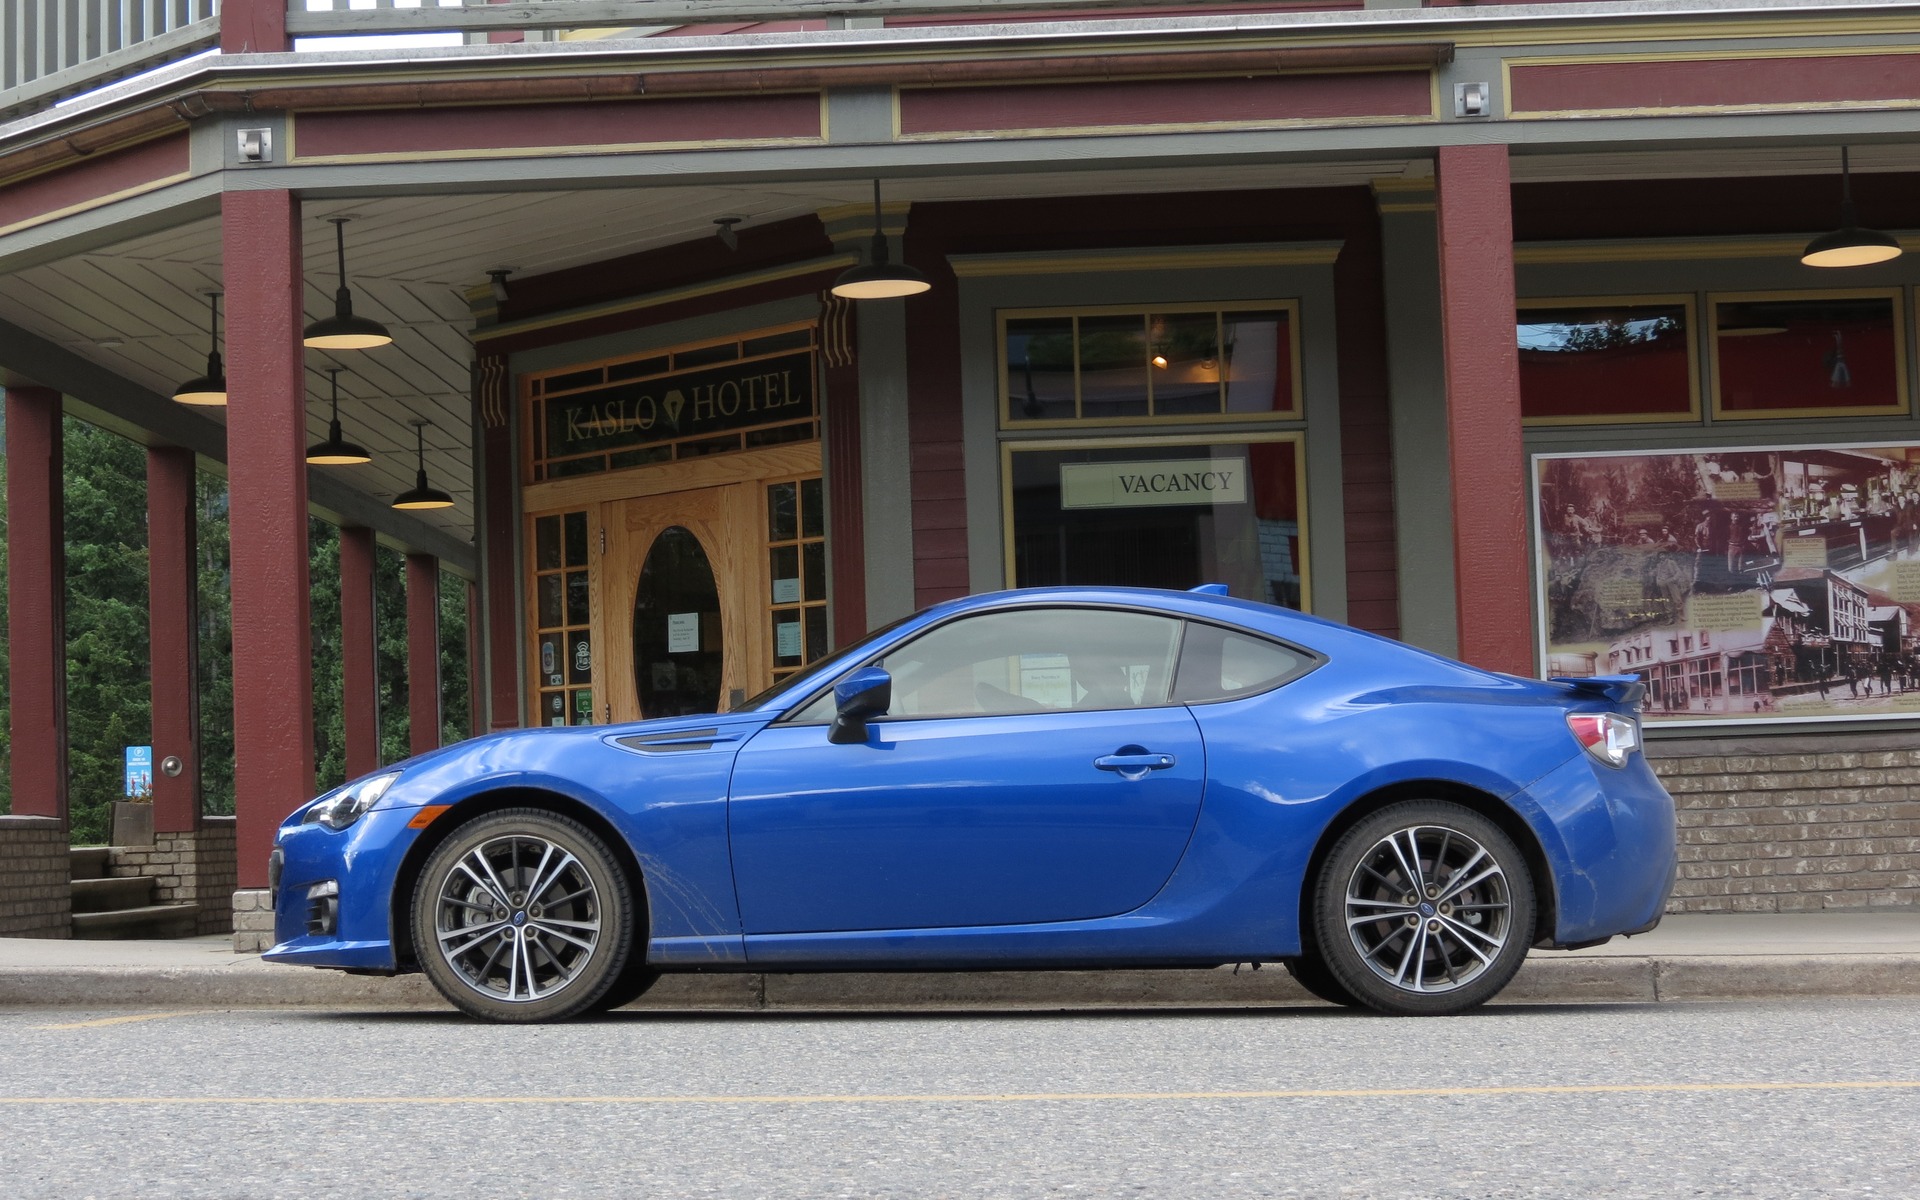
<point x="1794" y="823"/>
<point x="189" y="868"/>
<point x="36" y="895"/>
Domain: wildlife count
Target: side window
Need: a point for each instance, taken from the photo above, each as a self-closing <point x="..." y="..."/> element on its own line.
<point x="1030" y="660"/>
<point x="1219" y="664"/>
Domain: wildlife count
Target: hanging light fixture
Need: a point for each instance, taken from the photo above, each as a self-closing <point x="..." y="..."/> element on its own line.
<point x="1849" y="245"/>
<point x="420" y="495"/>
<point x="343" y="330"/>
<point x="336" y="451"/>
<point x="209" y="389"/>
<point x="879" y="279"/>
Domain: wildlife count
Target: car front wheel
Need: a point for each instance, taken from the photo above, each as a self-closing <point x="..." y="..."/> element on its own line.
<point x="523" y="915"/>
<point x="1424" y="908"/>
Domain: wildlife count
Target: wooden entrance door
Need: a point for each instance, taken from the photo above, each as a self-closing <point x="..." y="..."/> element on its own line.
<point x="679" y="586"/>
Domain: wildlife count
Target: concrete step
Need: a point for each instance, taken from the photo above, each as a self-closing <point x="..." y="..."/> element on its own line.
<point x="89" y="862"/>
<point x="152" y="921"/>
<point x="112" y="895"/>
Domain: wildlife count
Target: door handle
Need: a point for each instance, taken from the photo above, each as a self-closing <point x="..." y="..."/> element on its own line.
<point x="1134" y="765"/>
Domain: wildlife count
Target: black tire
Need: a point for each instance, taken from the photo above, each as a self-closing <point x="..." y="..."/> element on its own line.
<point x="1442" y="944"/>
<point x="524" y="916"/>
<point x="1310" y="972"/>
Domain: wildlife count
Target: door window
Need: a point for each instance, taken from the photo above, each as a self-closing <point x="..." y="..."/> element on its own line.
<point x="677" y="655"/>
<point x="563" y="666"/>
<point x="1035" y="660"/>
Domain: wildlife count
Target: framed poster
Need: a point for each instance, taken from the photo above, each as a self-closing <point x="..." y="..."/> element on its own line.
<point x="1750" y="584"/>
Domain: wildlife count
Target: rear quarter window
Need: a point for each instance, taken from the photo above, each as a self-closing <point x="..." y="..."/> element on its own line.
<point x="1223" y="664"/>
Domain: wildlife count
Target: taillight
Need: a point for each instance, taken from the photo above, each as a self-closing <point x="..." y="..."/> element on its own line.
<point x="1609" y="737"/>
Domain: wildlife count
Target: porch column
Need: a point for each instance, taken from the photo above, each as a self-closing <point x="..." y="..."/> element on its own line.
<point x="359" y="649"/>
<point x="36" y="603"/>
<point x="172" y="605"/>
<point x="1488" y="462"/>
<point x="496" y="533"/>
<point x="267" y="490"/>
<point x="476" y="668"/>
<point x="423" y="652"/>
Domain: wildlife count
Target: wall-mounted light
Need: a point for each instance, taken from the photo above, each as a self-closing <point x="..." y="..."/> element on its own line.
<point x="336" y="451"/>
<point x="420" y="495"/>
<point x="343" y="330"/>
<point x="497" y="283"/>
<point x="879" y="279"/>
<point x="210" y="389"/>
<point x="1849" y="245"/>
<point x="725" y="233"/>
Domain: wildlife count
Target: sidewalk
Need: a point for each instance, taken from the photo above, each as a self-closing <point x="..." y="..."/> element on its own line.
<point x="1695" y="957"/>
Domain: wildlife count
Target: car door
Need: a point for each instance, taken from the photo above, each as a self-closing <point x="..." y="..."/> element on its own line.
<point x="1031" y="768"/>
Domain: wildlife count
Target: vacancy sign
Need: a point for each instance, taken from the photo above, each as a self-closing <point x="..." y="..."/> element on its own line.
<point x="1154" y="484"/>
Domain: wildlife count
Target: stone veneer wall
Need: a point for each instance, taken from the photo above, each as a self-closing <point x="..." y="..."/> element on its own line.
<point x="1794" y="823"/>
<point x="252" y="920"/>
<point x="36" y="892"/>
<point x="189" y="868"/>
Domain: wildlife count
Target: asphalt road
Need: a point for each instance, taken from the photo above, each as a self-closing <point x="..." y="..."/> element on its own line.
<point x="1778" y="1099"/>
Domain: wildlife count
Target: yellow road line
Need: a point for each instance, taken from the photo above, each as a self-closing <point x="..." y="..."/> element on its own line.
<point x="1565" y="1089"/>
<point x="128" y="1020"/>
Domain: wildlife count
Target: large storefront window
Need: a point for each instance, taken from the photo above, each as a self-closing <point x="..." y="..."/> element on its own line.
<point x="1161" y="512"/>
<point x="1809" y="354"/>
<point x="1610" y="360"/>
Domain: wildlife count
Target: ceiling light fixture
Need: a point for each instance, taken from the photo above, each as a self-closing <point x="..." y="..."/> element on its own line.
<point x="1849" y="245"/>
<point x="421" y="495"/>
<point x="343" y="330"/>
<point x="336" y="451"/>
<point x="879" y="279"/>
<point x="725" y="233"/>
<point x="210" y="389"/>
<point x="497" y="283"/>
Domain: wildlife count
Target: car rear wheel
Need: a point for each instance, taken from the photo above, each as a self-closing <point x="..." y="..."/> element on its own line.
<point x="524" y="915"/>
<point x="1424" y="908"/>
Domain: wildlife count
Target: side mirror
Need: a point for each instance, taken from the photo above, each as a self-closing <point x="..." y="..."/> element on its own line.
<point x="866" y="693"/>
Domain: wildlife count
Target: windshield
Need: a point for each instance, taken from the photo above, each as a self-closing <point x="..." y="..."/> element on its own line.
<point x="832" y="661"/>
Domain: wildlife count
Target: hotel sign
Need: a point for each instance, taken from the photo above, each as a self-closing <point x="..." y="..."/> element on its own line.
<point x="711" y="400"/>
<point x="1154" y="484"/>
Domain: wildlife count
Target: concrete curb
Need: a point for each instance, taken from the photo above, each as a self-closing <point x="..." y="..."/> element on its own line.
<point x="1545" y="979"/>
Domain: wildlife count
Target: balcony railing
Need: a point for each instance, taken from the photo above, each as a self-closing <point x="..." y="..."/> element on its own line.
<point x="55" y="48"/>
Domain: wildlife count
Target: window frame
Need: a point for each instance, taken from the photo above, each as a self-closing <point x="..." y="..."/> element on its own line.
<point x="1004" y="402"/>
<point x="1686" y="300"/>
<point x="1896" y="295"/>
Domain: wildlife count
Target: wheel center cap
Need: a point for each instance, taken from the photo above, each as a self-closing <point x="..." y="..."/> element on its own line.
<point x="520" y="918"/>
<point x="1426" y="909"/>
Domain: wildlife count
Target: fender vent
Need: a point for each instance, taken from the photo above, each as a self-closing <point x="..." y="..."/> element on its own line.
<point x="669" y="743"/>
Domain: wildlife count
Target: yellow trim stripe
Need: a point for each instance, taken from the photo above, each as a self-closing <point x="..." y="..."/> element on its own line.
<point x="1562" y="1089"/>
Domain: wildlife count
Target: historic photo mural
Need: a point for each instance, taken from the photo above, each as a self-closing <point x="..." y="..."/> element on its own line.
<point x="1740" y="584"/>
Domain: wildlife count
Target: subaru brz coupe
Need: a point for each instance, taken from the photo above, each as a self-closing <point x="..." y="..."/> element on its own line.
<point x="1057" y="778"/>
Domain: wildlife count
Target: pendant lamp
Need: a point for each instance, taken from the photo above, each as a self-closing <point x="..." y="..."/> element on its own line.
<point x="336" y="451"/>
<point x="343" y="330"/>
<point x="1849" y="245"/>
<point x="210" y="389"/>
<point x="420" y="495"/>
<point x="879" y="279"/>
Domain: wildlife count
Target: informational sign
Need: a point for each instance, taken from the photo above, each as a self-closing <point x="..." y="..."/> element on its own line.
<point x="786" y="639"/>
<point x="683" y="632"/>
<point x="1153" y="484"/>
<point x="786" y="591"/>
<point x="1740" y="584"/>
<point x="622" y="416"/>
<point x="139" y="776"/>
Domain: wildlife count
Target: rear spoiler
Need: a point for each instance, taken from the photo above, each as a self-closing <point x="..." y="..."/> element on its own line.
<point x="1625" y="690"/>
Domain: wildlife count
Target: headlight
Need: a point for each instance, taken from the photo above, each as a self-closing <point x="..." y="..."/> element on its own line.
<point x="344" y="807"/>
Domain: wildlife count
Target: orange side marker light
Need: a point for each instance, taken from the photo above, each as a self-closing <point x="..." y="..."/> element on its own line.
<point x="425" y="816"/>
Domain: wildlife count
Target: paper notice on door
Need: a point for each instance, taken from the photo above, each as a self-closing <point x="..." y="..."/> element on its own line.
<point x="786" y="591"/>
<point x="683" y="633"/>
<point x="786" y="639"/>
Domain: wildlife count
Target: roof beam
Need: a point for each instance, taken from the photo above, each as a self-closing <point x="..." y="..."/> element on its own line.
<point x="97" y="395"/>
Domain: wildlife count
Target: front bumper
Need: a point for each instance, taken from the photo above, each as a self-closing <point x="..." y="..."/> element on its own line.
<point x="363" y="860"/>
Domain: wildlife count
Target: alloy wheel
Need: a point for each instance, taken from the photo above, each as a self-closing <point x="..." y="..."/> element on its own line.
<point x="1428" y="909"/>
<point x="517" y="918"/>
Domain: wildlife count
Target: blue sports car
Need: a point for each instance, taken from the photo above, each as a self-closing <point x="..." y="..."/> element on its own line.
<point x="1072" y="777"/>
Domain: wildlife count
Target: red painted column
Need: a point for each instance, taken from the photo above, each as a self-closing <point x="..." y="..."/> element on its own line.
<point x="1483" y="409"/>
<point x="267" y="487"/>
<point x="500" y="563"/>
<point x="359" y="653"/>
<point x="846" y="539"/>
<point x="172" y="608"/>
<point x="476" y="694"/>
<point x="37" y="603"/>
<point x="259" y="26"/>
<point x="423" y="652"/>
